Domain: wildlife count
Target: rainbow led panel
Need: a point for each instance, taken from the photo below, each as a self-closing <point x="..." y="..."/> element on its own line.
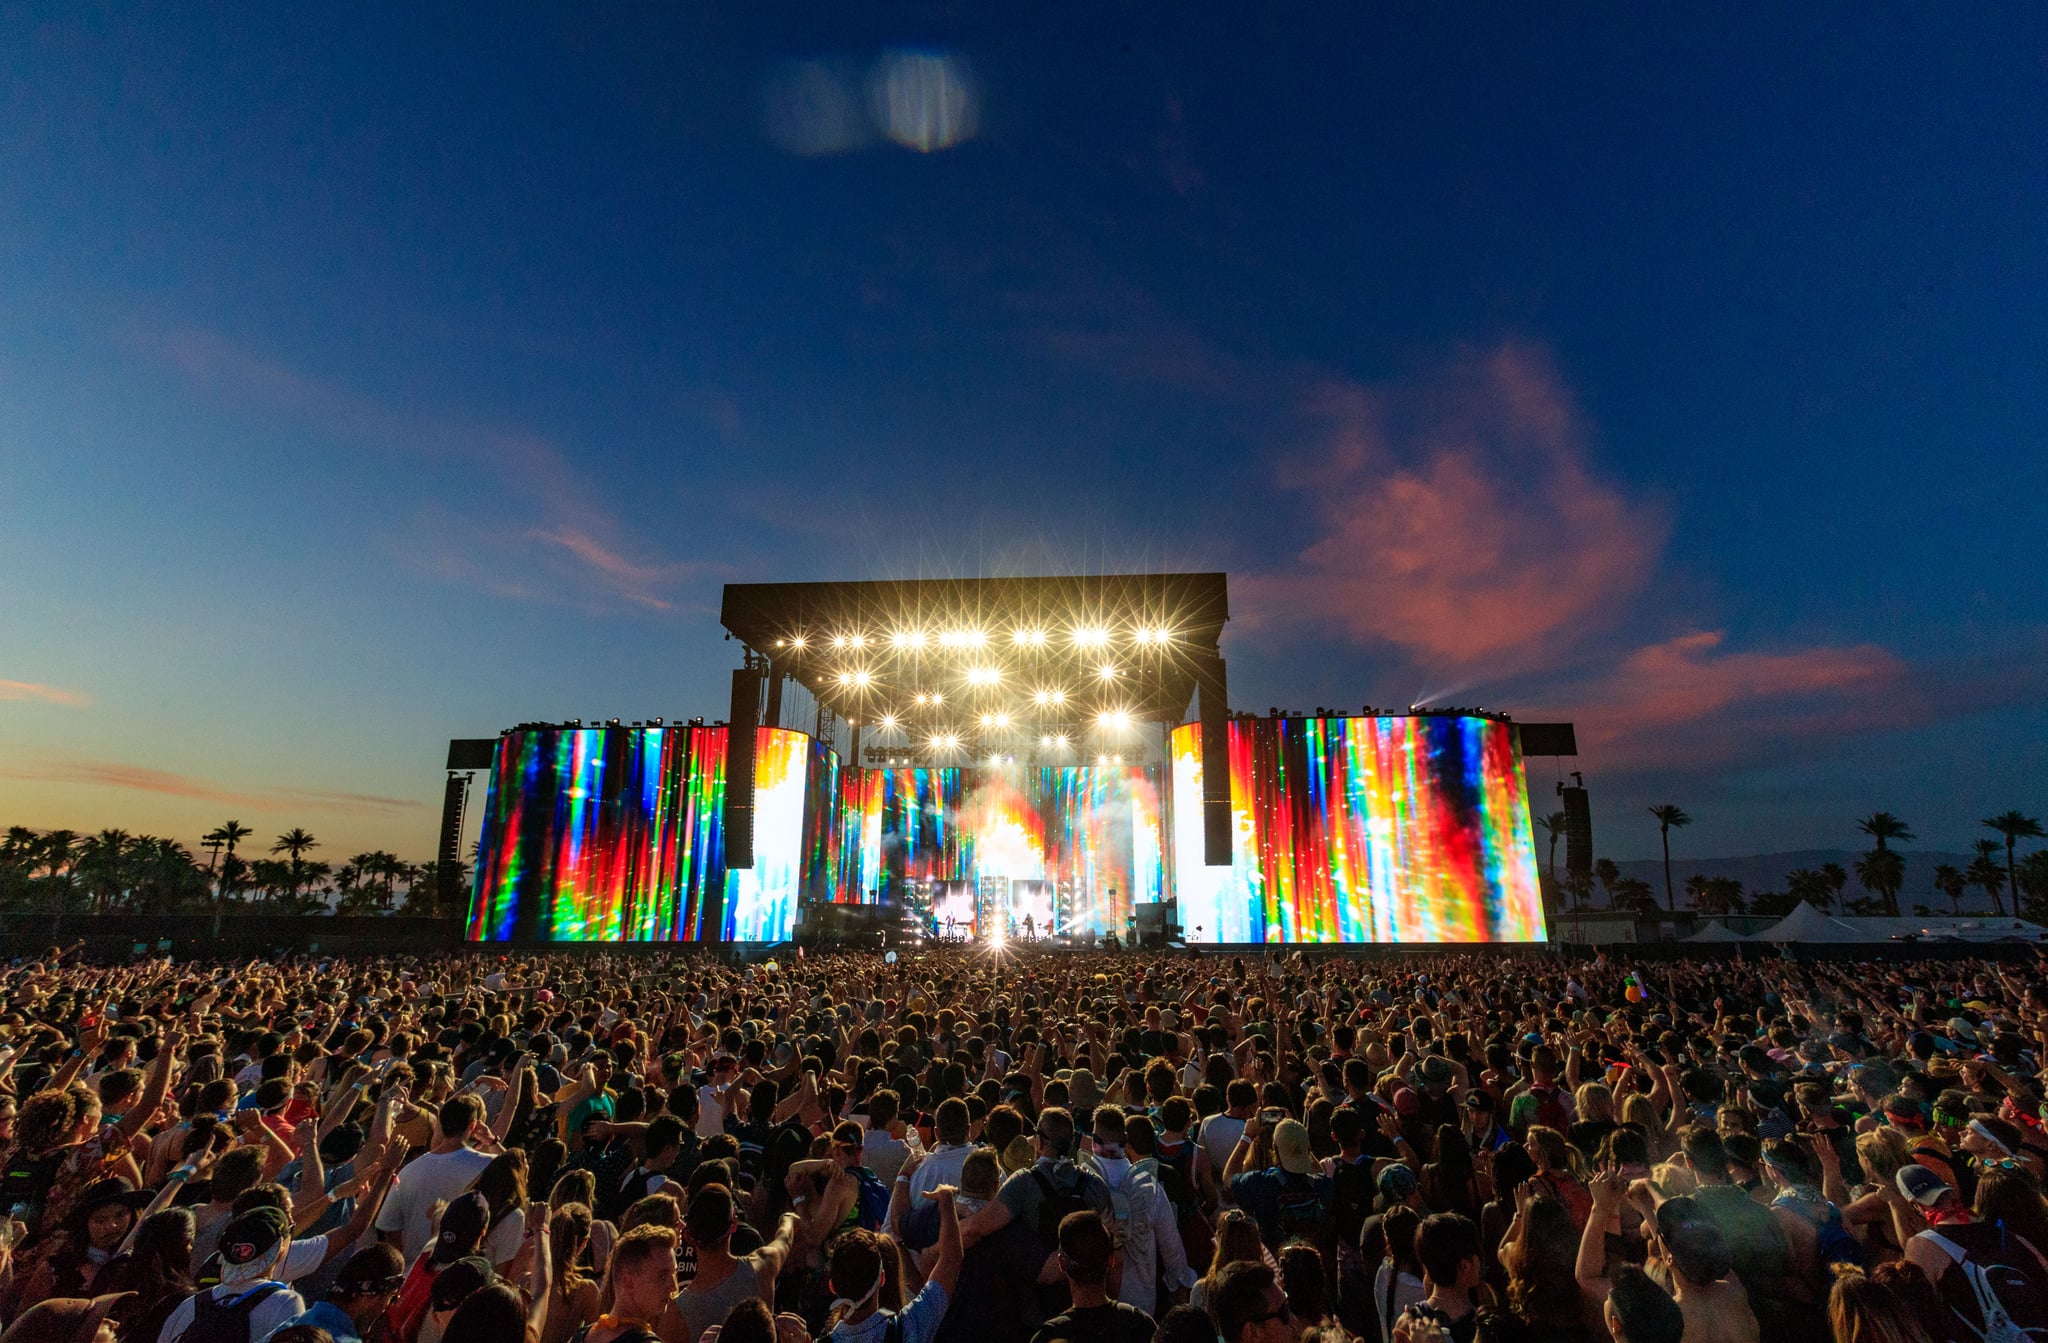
<point x="1408" y="829"/>
<point x="616" y="835"/>
<point x="1094" y="832"/>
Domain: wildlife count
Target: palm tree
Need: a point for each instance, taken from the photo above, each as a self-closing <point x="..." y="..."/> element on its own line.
<point x="1607" y="872"/>
<point x="1984" y="871"/>
<point x="1668" y="817"/>
<point x="1882" y="825"/>
<point x="1803" y="883"/>
<point x="2033" y="875"/>
<point x="20" y="844"/>
<point x="101" y="858"/>
<point x="295" y="842"/>
<point x="1554" y="824"/>
<point x="1882" y="872"/>
<point x="57" y="850"/>
<point x="2015" y="828"/>
<point x="231" y="833"/>
<point x="1949" y="880"/>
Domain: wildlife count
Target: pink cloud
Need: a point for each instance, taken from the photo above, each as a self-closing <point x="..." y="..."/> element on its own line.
<point x="1459" y="520"/>
<point x="46" y="694"/>
<point x="108" y="774"/>
<point x="1686" y="701"/>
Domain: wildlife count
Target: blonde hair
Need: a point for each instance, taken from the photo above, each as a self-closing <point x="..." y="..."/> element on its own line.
<point x="1883" y="1151"/>
<point x="1595" y="1101"/>
<point x="1675" y="1178"/>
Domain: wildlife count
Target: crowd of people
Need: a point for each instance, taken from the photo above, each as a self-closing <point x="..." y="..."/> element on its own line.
<point x="964" y="1146"/>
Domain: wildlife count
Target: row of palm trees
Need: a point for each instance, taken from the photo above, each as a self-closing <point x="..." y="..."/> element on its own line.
<point x="1882" y="872"/>
<point x="64" y="871"/>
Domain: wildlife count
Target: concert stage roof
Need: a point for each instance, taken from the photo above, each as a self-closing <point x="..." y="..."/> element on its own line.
<point x="954" y="654"/>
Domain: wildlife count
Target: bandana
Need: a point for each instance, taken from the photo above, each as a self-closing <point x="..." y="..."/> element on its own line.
<point x="881" y="1273"/>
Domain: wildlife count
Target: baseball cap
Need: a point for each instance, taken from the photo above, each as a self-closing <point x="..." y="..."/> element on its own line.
<point x="1396" y="1182"/>
<point x="254" y="1236"/>
<point x="1921" y="1185"/>
<point x="1291" y="1147"/>
<point x="462" y="1227"/>
<point x="461" y="1280"/>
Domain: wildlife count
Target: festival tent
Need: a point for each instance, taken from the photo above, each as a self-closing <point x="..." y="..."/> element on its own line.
<point x="1718" y="932"/>
<point x="1808" y="924"/>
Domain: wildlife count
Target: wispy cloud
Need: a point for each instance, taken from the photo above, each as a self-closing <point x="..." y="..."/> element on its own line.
<point x="1458" y="520"/>
<point x="555" y="514"/>
<point x="136" y="778"/>
<point x="44" y="694"/>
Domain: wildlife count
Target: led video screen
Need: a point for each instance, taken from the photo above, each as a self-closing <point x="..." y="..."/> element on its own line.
<point x="1092" y="834"/>
<point x="616" y="835"/>
<point x="1407" y="829"/>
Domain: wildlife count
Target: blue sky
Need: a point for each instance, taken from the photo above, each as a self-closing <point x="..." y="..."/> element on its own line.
<point x="377" y="377"/>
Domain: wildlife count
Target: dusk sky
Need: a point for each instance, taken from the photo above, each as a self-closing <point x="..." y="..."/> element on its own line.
<point x="371" y="377"/>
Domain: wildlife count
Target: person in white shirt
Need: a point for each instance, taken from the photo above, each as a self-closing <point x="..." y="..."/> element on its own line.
<point x="711" y="1096"/>
<point x="944" y="1164"/>
<point x="253" y="1248"/>
<point x="449" y="1167"/>
<point x="1154" y="1257"/>
<point x="881" y="1150"/>
<point x="1219" y="1133"/>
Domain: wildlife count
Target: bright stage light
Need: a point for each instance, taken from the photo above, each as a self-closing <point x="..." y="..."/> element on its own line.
<point x="1060" y="741"/>
<point x="857" y="640"/>
<point x="797" y="643"/>
<point x="983" y="676"/>
<point x="1089" y="636"/>
<point x="1002" y="720"/>
<point x="846" y="678"/>
<point x="922" y="700"/>
<point x="839" y="641"/>
<point x="1102" y="760"/>
<point x="907" y="639"/>
<point x="861" y="679"/>
<point x="1106" y="672"/>
<point x="945" y="741"/>
<point x="888" y="722"/>
<point x="1045" y="741"/>
<point x="937" y="698"/>
<point x="988" y="720"/>
<point x="1116" y="720"/>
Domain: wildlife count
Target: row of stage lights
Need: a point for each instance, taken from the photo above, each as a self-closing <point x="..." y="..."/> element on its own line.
<point x="1110" y="720"/>
<point x="1027" y="637"/>
<point x="979" y="678"/>
<point x="998" y="759"/>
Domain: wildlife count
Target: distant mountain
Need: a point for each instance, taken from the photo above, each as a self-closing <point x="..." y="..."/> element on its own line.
<point x="1766" y="872"/>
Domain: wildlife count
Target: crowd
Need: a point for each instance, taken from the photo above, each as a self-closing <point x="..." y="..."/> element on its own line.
<point x="959" y="1146"/>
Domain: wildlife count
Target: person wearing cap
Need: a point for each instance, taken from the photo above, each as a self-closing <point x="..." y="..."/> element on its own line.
<point x="1292" y="1195"/>
<point x="250" y="1299"/>
<point x="66" y="1320"/>
<point x="452" y="1286"/>
<point x="1948" y="1244"/>
<point x="1054" y="1175"/>
<point x="365" y="1288"/>
<point x="464" y="1224"/>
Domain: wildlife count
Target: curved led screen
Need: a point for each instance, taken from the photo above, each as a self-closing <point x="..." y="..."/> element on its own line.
<point x="617" y="835"/>
<point x="1406" y="829"/>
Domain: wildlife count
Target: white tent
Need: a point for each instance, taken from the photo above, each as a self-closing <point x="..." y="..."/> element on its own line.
<point x="1718" y="932"/>
<point x="1808" y="924"/>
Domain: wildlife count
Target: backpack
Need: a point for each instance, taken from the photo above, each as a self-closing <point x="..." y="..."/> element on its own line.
<point x="215" y="1321"/>
<point x="1989" y="1299"/>
<point x="26" y="1183"/>
<point x="1177" y="1173"/>
<point x="871" y="1205"/>
<point x="1352" y="1202"/>
<point x="1300" y="1213"/>
<point x="1054" y="1204"/>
